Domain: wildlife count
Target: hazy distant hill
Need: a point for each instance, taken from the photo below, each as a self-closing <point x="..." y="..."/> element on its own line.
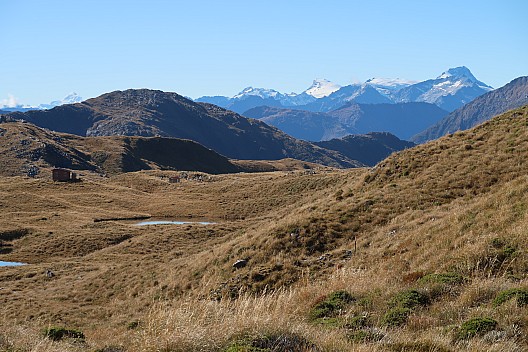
<point x="370" y="148"/>
<point x="302" y="124"/>
<point x="155" y="113"/>
<point x="512" y="95"/>
<point x="404" y="120"/>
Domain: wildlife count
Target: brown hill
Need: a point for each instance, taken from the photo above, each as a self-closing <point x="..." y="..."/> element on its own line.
<point x="154" y="113"/>
<point x="26" y="150"/>
<point x="483" y="108"/>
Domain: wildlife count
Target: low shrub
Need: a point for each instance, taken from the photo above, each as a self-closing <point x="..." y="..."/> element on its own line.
<point x="475" y="326"/>
<point x="280" y="342"/>
<point x="396" y="316"/>
<point x="59" y="333"/>
<point x="520" y="294"/>
<point x="332" y="305"/>
<point x="445" y="278"/>
<point x="365" y="335"/>
<point x="418" y="346"/>
<point x="111" y="349"/>
<point x="410" y="299"/>
<point x="357" y="322"/>
<point x="133" y="325"/>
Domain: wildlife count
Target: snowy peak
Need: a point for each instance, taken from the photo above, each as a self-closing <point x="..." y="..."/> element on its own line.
<point x="458" y="72"/>
<point x="463" y="75"/>
<point x="392" y="84"/>
<point x="259" y="92"/>
<point x="388" y="86"/>
<point x="321" y="88"/>
<point x="452" y="89"/>
<point x="71" y="98"/>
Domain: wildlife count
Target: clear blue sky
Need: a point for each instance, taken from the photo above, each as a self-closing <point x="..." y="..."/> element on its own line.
<point x="51" y="48"/>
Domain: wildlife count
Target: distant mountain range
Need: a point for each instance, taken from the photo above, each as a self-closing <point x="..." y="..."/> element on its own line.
<point x="403" y="120"/>
<point x="69" y="99"/>
<point x="498" y="101"/>
<point x="449" y="91"/>
<point x="149" y="113"/>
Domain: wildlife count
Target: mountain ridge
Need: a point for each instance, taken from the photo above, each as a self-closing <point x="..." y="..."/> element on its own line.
<point x="450" y="90"/>
<point x="484" y="107"/>
<point x="146" y="112"/>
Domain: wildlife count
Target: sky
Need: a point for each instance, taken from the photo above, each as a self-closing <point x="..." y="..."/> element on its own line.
<point x="195" y="48"/>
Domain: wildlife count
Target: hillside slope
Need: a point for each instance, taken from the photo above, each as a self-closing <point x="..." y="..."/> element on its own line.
<point x="511" y="96"/>
<point x="154" y="113"/>
<point x="370" y="148"/>
<point x="28" y="150"/>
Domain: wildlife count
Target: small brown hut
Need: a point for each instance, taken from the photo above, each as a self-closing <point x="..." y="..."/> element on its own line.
<point x="63" y="175"/>
<point x="174" y="179"/>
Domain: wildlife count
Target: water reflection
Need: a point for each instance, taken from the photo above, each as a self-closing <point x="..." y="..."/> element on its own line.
<point x="11" y="263"/>
<point x="167" y="222"/>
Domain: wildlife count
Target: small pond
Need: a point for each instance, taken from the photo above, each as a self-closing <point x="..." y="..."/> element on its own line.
<point x="10" y="263"/>
<point x="169" y="222"/>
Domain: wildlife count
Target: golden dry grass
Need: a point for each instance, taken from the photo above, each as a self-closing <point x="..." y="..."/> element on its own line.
<point x="438" y="208"/>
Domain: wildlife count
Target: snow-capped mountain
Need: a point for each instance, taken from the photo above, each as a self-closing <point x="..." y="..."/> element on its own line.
<point x="452" y="89"/>
<point x="322" y="88"/>
<point x="389" y="86"/>
<point x="251" y="97"/>
<point x="259" y="92"/>
<point x="71" y="98"/>
<point x="353" y="93"/>
<point x="291" y="99"/>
